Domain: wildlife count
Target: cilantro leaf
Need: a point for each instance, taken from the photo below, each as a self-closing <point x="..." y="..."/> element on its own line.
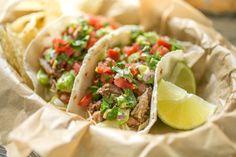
<point x="112" y="114"/>
<point x="175" y="45"/>
<point x="127" y="100"/>
<point x="124" y="73"/>
<point x="104" y="106"/>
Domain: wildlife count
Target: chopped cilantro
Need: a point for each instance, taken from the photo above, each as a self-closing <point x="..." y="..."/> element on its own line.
<point x="104" y="106"/>
<point x="95" y="96"/>
<point x="127" y="100"/>
<point x="62" y="57"/>
<point x="152" y="61"/>
<point x="112" y="114"/>
<point x="175" y="45"/>
<point x="124" y="73"/>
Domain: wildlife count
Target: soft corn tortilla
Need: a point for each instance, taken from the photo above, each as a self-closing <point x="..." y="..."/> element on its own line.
<point x="122" y="37"/>
<point x="38" y="45"/>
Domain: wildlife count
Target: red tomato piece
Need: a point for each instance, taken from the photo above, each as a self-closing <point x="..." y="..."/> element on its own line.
<point x="114" y="54"/>
<point x="62" y="46"/>
<point x="69" y="50"/>
<point x="114" y="26"/>
<point x="131" y="50"/>
<point x="92" y="40"/>
<point x="159" y="49"/>
<point x="106" y="78"/>
<point x="154" y="49"/>
<point x="95" y="22"/>
<point x="162" y="51"/>
<point x="134" y="71"/>
<point x="76" y="67"/>
<point x="58" y="44"/>
<point x="86" y="100"/>
<point x="102" y="68"/>
<point x="162" y="42"/>
<point x="124" y="84"/>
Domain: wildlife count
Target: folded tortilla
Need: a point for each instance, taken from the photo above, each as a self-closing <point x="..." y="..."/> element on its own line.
<point x="191" y="55"/>
<point x="43" y="41"/>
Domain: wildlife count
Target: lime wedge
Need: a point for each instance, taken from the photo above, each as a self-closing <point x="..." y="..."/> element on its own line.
<point x="179" y="109"/>
<point x="183" y="77"/>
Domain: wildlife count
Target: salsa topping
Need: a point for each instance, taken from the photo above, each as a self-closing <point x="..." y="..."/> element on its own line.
<point x="61" y="62"/>
<point x="122" y="87"/>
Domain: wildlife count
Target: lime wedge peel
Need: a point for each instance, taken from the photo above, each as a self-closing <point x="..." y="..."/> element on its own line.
<point x="183" y="77"/>
<point x="181" y="110"/>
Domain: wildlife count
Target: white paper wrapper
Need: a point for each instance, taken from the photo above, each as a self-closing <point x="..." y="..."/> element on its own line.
<point x="53" y="133"/>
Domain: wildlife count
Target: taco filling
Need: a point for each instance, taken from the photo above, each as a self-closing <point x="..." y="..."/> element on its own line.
<point x="61" y="62"/>
<point x="122" y="87"/>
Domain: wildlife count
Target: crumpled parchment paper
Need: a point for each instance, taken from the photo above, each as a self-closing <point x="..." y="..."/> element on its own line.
<point x="53" y="133"/>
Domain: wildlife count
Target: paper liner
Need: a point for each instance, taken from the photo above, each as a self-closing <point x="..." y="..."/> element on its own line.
<point x="217" y="85"/>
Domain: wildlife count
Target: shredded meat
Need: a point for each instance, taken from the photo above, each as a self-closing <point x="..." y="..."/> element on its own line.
<point x="133" y="123"/>
<point x="108" y="89"/>
<point x="94" y="107"/>
<point x="46" y="66"/>
<point x="141" y="110"/>
<point x="97" y="116"/>
<point x="141" y="89"/>
<point x="64" y="97"/>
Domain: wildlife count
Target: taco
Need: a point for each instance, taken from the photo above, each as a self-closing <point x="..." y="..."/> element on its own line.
<point x="54" y="57"/>
<point x="116" y="85"/>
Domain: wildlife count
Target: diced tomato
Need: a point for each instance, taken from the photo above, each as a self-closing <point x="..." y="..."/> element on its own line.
<point x="114" y="54"/>
<point x="69" y="51"/>
<point x="124" y="84"/>
<point x="85" y="101"/>
<point x="92" y="40"/>
<point x="102" y="68"/>
<point x="134" y="71"/>
<point x="106" y="78"/>
<point x="132" y="68"/>
<point x="62" y="46"/>
<point x="59" y="44"/>
<point x="162" y="42"/>
<point x="154" y="49"/>
<point x="162" y="50"/>
<point x="159" y="49"/>
<point x="131" y="50"/>
<point x="76" y="67"/>
<point x="114" y="26"/>
<point x="95" y="22"/>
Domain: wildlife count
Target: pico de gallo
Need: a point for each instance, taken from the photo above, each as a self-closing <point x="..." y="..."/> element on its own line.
<point x="61" y="62"/>
<point x="122" y="87"/>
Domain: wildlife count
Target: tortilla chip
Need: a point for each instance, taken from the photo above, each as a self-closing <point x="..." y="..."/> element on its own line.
<point x="12" y="49"/>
